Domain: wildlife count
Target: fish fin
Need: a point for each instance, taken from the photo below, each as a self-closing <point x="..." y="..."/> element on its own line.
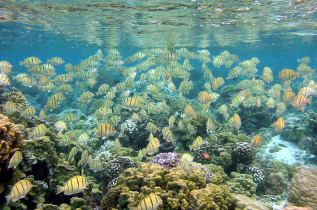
<point x="190" y="147"/>
<point x="59" y="189"/>
<point x="8" y="198"/>
<point x="309" y="100"/>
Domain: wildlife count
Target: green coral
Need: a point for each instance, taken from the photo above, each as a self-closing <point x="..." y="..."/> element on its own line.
<point x="176" y="189"/>
<point x="242" y="184"/>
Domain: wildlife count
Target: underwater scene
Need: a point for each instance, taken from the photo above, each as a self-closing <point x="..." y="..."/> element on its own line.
<point x="171" y="104"/>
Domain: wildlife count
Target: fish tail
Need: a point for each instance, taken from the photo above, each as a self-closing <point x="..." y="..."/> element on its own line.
<point x="8" y="198"/>
<point x="21" y="63"/>
<point x="190" y="147"/>
<point x="59" y="189"/>
<point x="309" y="100"/>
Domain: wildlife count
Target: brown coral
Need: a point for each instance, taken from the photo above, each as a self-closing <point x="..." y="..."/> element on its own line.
<point x="10" y="141"/>
<point x="303" y="188"/>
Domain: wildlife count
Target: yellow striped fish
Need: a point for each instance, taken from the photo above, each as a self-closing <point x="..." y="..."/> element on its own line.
<point x="153" y="146"/>
<point x="256" y="141"/>
<point x="84" y="158"/>
<point x="30" y="61"/>
<point x="117" y="144"/>
<point x="70" y="117"/>
<point x="51" y="104"/>
<point x="83" y="138"/>
<point x="4" y="80"/>
<point x="16" y="159"/>
<point x="151" y="127"/>
<point x="95" y="165"/>
<point x="10" y="107"/>
<point x="38" y="132"/>
<point x="171" y="121"/>
<point x="131" y="103"/>
<point x="150" y="202"/>
<point x="72" y="154"/>
<point x="189" y="111"/>
<point x="60" y="126"/>
<point x="196" y="144"/>
<point x="74" y="185"/>
<point x="167" y="134"/>
<point x="29" y="112"/>
<point x="105" y="130"/>
<point x="19" y="190"/>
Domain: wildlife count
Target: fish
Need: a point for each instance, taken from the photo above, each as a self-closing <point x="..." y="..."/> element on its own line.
<point x="256" y="141"/>
<point x="60" y="126"/>
<point x="56" y="61"/>
<point x="280" y="107"/>
<point x="30" y="61"/>
<point x="237" y="100"/>
<point x="236" y="121"/>
<point x="10" y="107"/>
<point x="51" y="104"/>
<point x="131" y="103"/>
<point x="84" y="158"/>
<point x="171" y="121"/>
<point x="300" y="102"/>
<point x="305" y="60"/>
<point x="72" y="154"/>
<point x="204" y="97"/>
<point x="186" y="167"/>
<point x="95" y="165"/>
<point x="117" y="144"/>
<point x="5" y="67"/>
<point x="86" y="97"/>
<point x="279" y="124"/>
<point x="135" y="117"/>
<point x="288" y="74"/>
<point x="4" y="80"/>
<point x="185" y="86"/>
<point x="19" y="190"/>
<point x="114" y="120"/>
<point x="57" y="97"/>
<point x="180" y="124"/>
<point x="29" y="112"/>
<point x="270" y="102"/>
<point x="105" y="130"/>
<point x="74" y="185"/>
<point x="196" y="144"/>
<point x="288" y="97"/>
<point x="70" y="117"/>
<point x="151" y="127"/>
<point x="83" y="138"/>
<point x="150" y="202"/>
<point x="167" y="134"/>
<point x="191" y="128"/>
<point x="307" y="91"/>
<point x="153" y="146"/>
<point x="28" y="81"/>
<point x="189" y="111"/>
<point x="38" y="132"/>
<point x="16" y="159"/>
<point x="62" y="78"/>
<point x="210" y="126"/>
<point x="102" y="89"/>
<point x="217" y="82"/>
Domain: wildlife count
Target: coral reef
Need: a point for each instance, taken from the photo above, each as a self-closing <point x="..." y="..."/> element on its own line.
<point x="257" y="175"/>
<point x="40" y="156"/>
<point x="242" y="153"/>
<point x="167" y="160"/>
<point x="176" y="189"/>
<point x="11" y="139"/>
<point x="303" y="187"/>
<point x="242" y="184"/>
<point x="111" y="199"/>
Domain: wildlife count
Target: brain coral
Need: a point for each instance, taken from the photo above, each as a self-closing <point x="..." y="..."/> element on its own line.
<point x="178" y="190"/>
<point x="303" y="191"/>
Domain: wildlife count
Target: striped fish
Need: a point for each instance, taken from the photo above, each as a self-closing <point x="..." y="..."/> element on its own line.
<point x="19" y="190"/>
<point x="288" y="74"/>
<point x="167" y="134"/>
<point x="131" y="103"/>
<point x="150" y="202"/>
<point x="60" y="126"/>
<point x="29" y="112"/>
<point x="95" y="165"/>
<point x="84" y="158"/>
<point x="30" y="61"/>
<point x="16" y="159"/>
<point x="196" y="144"/>
<point x="153" y="146"/>
<point x="105" y="130"/>
<point x="256" y="141"/>
<point x="74" y="185"/>
<point x="38" y="132"/>
<point x="10" y="107"/>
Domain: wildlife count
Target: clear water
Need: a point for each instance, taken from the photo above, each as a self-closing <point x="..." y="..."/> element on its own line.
<point x="277" y="32"/>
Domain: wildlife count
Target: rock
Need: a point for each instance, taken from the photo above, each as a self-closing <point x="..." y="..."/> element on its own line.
<point x="244" y="202"/>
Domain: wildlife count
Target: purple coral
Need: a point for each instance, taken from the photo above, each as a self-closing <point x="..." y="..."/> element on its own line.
<point x="168" y="160"/>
